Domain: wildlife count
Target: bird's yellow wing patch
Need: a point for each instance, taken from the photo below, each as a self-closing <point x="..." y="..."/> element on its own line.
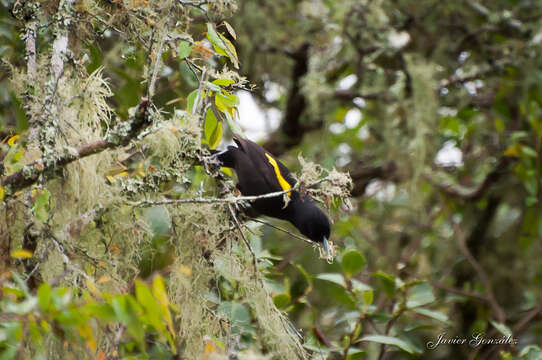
<point x="282" y="181"/>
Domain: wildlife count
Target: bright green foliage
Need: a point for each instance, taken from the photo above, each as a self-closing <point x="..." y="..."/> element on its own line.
<point x="72" y="316"/>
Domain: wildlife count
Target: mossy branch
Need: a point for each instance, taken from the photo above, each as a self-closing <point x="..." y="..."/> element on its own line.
<point x="121" y="135"/>
<point x="228" y="200"/>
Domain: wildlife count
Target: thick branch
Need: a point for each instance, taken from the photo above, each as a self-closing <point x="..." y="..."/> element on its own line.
<point x="60" y="45"/>
<point x="291" y="132"/>
<point x="476" y="193"/>
<point x="362" y="176"/>
<point x="30" y="43"/>
<point x="120" y="136"/>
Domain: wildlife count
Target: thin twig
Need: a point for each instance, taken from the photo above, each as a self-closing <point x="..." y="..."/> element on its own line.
<point x="308" y="241"/>
<point x="458" y="291"/>
<point x="523" y="323"/>
<point x="499" y="312"/>
<point x="157" y="63"/>
<point x="254" y="261"/>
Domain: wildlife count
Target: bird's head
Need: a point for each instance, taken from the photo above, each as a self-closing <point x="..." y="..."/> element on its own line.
<point x="312" y="222"/>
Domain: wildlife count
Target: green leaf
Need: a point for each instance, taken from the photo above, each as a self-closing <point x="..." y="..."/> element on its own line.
<point x="227" y="100"/>
<point x="61" y="297"/>
<point x="387" y="281"/>
<point x="529" y="151"/>
<point x="223" y="82"/>
<point x="148" y="302"/>
<point x="213" y="129"/>
<point x="281" y="300"/>
<point x="184" y="49"/>
<point x="234" y="127"/>
<point x="306" y="275"/>
<point x="355" y="354"/>
<point x="212" y="86"/>
<point x="358" y="286"/>
<point x="503" y="329"/>
<point x="216" y="40"/>
<point x="390" y="340"/>
<point x="190" y="100"/>
<point x="432" y="314"/>
<point x="531" y="352"/>
<point x="23" y="307"/>
<point x="125" y="309"/>
<point x="367" y="297"/>
<point x="236" y="312"/>
<point x="419" y="295"/>
<point x="44" y="297"/>
<point x="334" y="286"/>
<point x="334" y="278"/>
<point x="102" y="311"/>
<point x="352" y="262"/>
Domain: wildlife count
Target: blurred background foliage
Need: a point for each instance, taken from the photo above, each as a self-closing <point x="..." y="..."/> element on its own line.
<point x="433" y="108"/>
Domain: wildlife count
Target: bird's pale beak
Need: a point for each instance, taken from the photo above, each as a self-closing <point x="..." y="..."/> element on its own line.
<point x="326" y="246"/>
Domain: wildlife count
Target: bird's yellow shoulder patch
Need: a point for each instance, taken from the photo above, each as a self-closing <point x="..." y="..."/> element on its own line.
<point x="282" y="181"/>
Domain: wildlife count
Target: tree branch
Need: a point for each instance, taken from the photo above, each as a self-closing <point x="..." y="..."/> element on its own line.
<point x="121" y="135"/>
<point x="476" y="193"/>
<point x="292" y="131"/>
<point x="228" y="200"/>
<point x="500" y="315"/>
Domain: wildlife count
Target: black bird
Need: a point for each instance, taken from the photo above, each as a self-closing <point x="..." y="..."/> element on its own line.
<point x="258" y="173"/>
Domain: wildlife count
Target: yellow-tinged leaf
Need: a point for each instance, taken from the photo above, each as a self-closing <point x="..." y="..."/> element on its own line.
<point x="86" y="333"/>
<point x="230" y="50"/>
<point x="230" y="30"/>
<point x="12" y="140"/>
<point x="45" y="325"/>
<point x="93" y="289"/>
<point x="512" y="151"/>
<point x="160" y="293"/>
<point x="21" y="254"/>
<point x="227" y="171"/>
<point x="139" y="171"/>
<point x="2" y="193"/>
<point x="104" y="279"/>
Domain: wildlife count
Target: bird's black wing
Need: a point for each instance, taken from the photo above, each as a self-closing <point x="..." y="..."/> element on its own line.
<point x="274" y="172"/>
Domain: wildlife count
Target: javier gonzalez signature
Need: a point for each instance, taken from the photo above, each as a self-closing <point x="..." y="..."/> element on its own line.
<point x="474" y="341"/>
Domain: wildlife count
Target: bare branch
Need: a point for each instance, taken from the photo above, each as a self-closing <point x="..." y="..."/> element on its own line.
<point x="254" y="260"/>
<point x="500" y="315"/>
<point x="308" y="241"/>
<point x="475" y="193"/>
